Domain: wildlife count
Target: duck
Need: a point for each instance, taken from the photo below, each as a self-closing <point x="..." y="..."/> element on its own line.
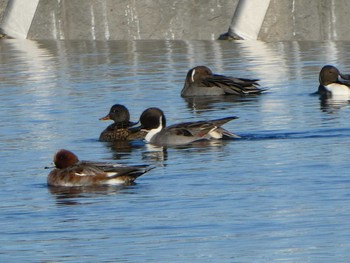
<point x="333" y="82"/>
<point x="200" y="81"/>
<point x="153" y="121"/>
<point x="122" y="128"/>
<point x="69" y="171"/>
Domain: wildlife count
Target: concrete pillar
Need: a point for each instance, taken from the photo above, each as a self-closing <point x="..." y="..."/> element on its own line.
<point x="248" y="19"/>
<point x="18" y="17"/>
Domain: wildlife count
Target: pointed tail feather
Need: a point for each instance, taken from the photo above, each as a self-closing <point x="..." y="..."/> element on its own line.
<point x="229" y="135"/>
<point x="132" y="172"/>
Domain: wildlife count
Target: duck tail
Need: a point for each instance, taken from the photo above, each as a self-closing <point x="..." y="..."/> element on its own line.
<point x="227" y="134"/>
<point x="134" y="172"/>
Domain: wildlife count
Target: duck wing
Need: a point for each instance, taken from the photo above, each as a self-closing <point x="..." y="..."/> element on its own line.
<point x="344" y="80"/>
<point x="238" y="86"/>
<point x="198" y="128"/>
<point x="246" y="82"/>
<point x="345" y="76"/>
<point x="88" y="168"/>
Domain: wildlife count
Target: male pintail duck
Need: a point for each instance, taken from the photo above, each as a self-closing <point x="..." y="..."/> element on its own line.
<point x="121" y="129"/>
<point x="200" y="81"/>
<point x="153" y="121"/>
<point x="70" y="171"/>
<point x="333" y="82"/>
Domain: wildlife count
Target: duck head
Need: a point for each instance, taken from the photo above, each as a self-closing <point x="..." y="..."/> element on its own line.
<point x="64" y="158"/>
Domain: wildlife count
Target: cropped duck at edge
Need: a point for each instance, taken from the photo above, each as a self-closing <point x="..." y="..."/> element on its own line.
<point x="333" y="82"/>
<point x="153" y="121"/>
<point x="122" y="129"/>
<point x="200" y="81"/>
<point x="70" y="171"/>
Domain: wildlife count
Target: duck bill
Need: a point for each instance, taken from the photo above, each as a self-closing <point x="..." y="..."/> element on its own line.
<point x="105" y="118"/>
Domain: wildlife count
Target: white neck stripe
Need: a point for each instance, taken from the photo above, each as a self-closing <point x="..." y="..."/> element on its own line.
<point x="153" y="132"/>
<point x="192" y="75"/>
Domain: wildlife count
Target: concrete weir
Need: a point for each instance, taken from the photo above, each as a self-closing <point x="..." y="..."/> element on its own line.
<point x="248" y="19"/>
<point x="121" y="19"/>
<point x="266" y="20"/>
<point x="18" y="17"/>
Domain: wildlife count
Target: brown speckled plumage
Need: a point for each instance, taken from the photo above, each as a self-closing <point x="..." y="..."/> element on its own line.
<point x="113" y="133"/>
<point x="121" y="129"/>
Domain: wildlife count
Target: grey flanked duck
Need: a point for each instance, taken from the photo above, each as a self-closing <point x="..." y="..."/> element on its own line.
<point x="121" y="129"/>
<point x="200" y="81"/>
<point x="153" y="121"/>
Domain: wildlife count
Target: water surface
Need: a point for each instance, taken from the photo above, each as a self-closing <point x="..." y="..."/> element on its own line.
<point x="279" y="194"/>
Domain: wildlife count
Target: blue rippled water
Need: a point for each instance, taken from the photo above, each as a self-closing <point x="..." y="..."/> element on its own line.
<point x="279" y="194"/>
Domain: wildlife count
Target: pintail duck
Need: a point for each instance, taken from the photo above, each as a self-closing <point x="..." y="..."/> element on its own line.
<point x="121" y="129"/>
<point x="153" y="121"/>
<point x="200" y="81"/>
<point x="333" y="82"/>
<point x="70" y="171"/>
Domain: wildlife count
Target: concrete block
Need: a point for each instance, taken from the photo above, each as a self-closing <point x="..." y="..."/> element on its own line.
<point x="306" y="20"/>
<point x="18" y="17"/>
<point x="174" y="19"/>
<point x="130" y="19"/>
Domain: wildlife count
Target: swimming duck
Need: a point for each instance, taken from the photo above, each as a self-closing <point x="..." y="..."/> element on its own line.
<point x="200" y="81"/>
<point x="121" y="129"/>
<point x="70" y="171"/>
<point x="333" y="82"/>
<point x="153" y="121"/>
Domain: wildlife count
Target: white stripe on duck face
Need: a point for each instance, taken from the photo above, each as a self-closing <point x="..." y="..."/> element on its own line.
<point x="153" y="132"/>
<point x="338" y="89"/>
<point x="192" y="75"/>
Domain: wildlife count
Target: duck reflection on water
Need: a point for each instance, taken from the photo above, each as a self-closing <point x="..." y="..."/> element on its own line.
<point x="81" y="195"/>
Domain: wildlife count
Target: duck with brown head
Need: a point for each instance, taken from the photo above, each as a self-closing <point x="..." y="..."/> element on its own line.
<point x="70" y="171"/>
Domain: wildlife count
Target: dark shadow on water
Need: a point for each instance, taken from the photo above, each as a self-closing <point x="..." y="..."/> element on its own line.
<point x="120" y="149"/>
<point x="158" y="155"/>
<point x="330" y="105"/>
<point x="203" y="145"/>
<point x="125" y="146"/>
<point x="273" y="135"/>
<point x="205" y="103"/>
<point x="80" y="195"/>
<point x="154" y="154"/>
